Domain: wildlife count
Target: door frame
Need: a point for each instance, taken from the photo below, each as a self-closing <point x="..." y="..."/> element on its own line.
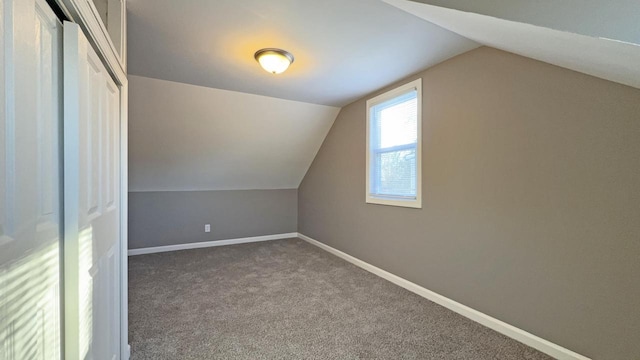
<point x="84" y="13"/>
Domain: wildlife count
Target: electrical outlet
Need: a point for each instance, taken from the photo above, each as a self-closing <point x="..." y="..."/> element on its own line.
<point x="207" y="228"/>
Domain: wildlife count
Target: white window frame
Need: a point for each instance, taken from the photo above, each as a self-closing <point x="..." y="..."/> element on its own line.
<point x="392" y="200"/>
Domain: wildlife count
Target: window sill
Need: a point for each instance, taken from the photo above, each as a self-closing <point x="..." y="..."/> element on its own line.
<point x="409" y="203"/>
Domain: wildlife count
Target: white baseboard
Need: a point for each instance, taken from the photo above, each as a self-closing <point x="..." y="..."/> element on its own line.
<point x="513" y="332"/>
<point x="205" y="244"/>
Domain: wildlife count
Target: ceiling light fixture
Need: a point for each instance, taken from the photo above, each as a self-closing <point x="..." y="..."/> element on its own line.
<point x="273" y="60"/>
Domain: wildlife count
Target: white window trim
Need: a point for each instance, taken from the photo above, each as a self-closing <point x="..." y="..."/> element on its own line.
<point x="411" y="203"/>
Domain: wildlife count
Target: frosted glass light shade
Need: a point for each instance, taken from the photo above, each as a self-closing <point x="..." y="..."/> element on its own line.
<point x="275" y="61"/>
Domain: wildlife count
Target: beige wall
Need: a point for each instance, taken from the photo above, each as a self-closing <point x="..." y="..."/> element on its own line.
<point x="208" y="156"/>
<point x="531" y="183"/>
<point x="178" y="217"/>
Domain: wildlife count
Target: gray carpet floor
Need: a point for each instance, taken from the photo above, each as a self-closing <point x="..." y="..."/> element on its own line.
<point x="287" y="299"/>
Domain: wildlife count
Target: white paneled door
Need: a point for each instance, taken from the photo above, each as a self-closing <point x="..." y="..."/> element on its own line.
<point x="30" y="173"/>
<point x="33" y="160"/>
<point x="92" y="254"/>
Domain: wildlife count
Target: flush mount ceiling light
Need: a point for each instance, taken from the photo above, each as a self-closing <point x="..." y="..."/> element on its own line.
<point x="273" y="60"/>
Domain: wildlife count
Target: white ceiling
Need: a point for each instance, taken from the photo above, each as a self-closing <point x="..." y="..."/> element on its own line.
<point x="611" y="19"/>
<point x="220" y="122"/>
<point x="607" y="59"/>
<point x="185" y="137"/>
<point x="344" y="49"/>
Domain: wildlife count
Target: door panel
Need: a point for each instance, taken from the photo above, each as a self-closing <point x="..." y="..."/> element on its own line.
<point x="49" y="36"/>
<point x="112" y="131"/>
<point x="92" y="207"/>
<point x="30" y="204"/>
<point x="7" y="123"/>
<point x="90" y="143"/>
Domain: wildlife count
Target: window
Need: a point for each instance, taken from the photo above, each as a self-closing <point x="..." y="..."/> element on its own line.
<point x="394" y="147"/>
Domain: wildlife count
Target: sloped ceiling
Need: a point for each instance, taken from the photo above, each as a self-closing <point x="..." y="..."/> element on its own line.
<point x="205" y="116"/>
<point x="608" y="59"/>
<point x="610" y="19"/>
<point x="344" y="49"/>
<point x="185" y="137"/>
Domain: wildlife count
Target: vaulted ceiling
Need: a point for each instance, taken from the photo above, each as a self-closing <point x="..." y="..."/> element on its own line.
<point x="343" y="49"/>
<point x="610" y="19"/>
<point x="205" y="116"/>
<point x="185" y="137"/>
<point x="583" y="49"/>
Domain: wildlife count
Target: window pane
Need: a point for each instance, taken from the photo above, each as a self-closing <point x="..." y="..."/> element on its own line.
<point x="395" y="173"/>
<point x="396" y="121"/>
<point x="392" y="147"/>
